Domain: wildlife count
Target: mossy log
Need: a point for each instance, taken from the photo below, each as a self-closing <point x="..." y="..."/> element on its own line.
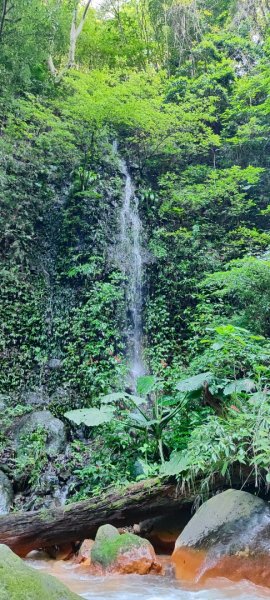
<point x="27" y="531"/>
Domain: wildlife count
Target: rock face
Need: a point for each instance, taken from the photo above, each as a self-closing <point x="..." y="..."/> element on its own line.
<point x="6" y="494"/>
<point x="20" y="582"/>
<point x="124" y="554"/>
<point x="56" y="436"/>
<point x="229" y="537"/>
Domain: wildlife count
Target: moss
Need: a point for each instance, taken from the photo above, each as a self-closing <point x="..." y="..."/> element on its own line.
<point x="105" y="552"/>
<point x="20" y="582"/>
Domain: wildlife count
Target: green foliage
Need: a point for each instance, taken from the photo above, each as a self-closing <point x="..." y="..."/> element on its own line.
<point x="184" y="88"/>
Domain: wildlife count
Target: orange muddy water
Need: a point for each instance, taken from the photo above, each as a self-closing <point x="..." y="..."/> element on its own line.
<point x="148" y="587"/>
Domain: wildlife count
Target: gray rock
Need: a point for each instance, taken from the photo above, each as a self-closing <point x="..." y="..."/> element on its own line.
<point x="221" y="517"/>
<point x="36" y="397"/>
<point x="106" y="532"/>
<point x="6" y="494"/>
<point x="227" y="537"/>
<point x="21" y="582"/>
<point x="56" y="435"/>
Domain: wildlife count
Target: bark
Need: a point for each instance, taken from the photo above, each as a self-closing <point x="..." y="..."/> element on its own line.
<point x="3" y="17"/>
<point x="51" y="66"/>
<point x="24" y="532"/>
<point x="75" y="32"/>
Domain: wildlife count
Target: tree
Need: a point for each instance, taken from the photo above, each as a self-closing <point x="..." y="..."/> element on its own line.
<point x="78" y="18"/>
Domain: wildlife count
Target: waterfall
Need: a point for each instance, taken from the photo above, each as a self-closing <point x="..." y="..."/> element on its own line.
<point x="131" y="260"/>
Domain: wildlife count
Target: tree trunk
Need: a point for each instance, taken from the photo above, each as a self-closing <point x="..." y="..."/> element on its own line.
<point x="27" y="531"/>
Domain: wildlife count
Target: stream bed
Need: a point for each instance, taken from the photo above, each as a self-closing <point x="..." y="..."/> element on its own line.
<point x="135" y="587"/>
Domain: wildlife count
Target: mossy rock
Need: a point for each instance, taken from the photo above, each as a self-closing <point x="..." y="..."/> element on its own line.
<point x="105" y="552"/>
<point x="18" y="581"/>
<point x="106" y="532"/>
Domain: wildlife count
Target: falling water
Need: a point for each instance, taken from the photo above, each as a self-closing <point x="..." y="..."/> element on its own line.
<point x="131" y="260"/>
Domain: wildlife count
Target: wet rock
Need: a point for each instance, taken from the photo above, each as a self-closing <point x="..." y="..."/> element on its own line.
<point x="229" y="537"/>
<point x="6" y="494"/>
<point x="20" y="582"/>
<point x="84" y="554"/>
<point x="123" y="554"/>
<point x="36" y="397"/>
<point x="56" y="435"/>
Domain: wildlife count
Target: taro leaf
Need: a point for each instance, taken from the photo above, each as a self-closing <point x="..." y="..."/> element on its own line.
<point x="240" y="385"/>
<point x="136" y="400"/>
<point x="92" y="417"/>
<point x="139" y="419"/>
<point x="192" y="384"/>
<point x="117" y="396"/>
<point x="111" y="398"/>
<point x="145" y="384"/>
<point x="177" y="464"/>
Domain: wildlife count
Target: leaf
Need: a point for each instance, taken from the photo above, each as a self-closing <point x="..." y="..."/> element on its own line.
<point x="177" y="463"/>
<point x="145" y="384"/>
<point x="136" y="400"/>
<point x="240" y="385"/>
<point x="224" y="468"/>
<point x="217" y="346"/>
<point x="92" y="417"/>
<point x="111" y="398"/>
<point x="192" y="384"/>
<point x="139" y="419"/>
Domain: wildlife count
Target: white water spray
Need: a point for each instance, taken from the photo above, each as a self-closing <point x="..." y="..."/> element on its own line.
<point x="131" y="261"/>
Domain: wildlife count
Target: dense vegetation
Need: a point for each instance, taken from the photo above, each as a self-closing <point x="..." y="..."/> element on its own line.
<point x="184" y="88"/>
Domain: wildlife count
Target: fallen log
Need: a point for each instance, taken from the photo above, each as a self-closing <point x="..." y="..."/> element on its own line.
<point x="26" y="531"/>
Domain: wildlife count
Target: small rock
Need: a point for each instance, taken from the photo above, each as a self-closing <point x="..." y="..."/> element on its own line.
<point x="6" y="494"/>
<point x="123" y="554"/>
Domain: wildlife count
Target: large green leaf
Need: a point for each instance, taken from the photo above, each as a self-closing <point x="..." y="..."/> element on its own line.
<point x="92" y="417"/>
<point x="240" y="385"/>
<point x="145" y="384"/>
<point x="111" y="398"/>
<point x="177" y="464"/>
<point x="192" y="384"/>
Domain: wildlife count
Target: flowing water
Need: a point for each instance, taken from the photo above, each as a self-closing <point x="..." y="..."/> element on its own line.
<point x="131" y="261"/>
<point x="135" y="587"/>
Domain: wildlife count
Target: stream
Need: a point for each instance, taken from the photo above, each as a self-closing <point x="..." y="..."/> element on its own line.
<point x="136" y="587"/>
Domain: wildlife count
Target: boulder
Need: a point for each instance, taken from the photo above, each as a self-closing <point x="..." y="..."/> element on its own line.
<point x="123" y="554"/>
<point x="6" y="494"/>
<point x="229" y="536"/>
<point x="21" y="582"/>
<point x="56" y="435"/>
